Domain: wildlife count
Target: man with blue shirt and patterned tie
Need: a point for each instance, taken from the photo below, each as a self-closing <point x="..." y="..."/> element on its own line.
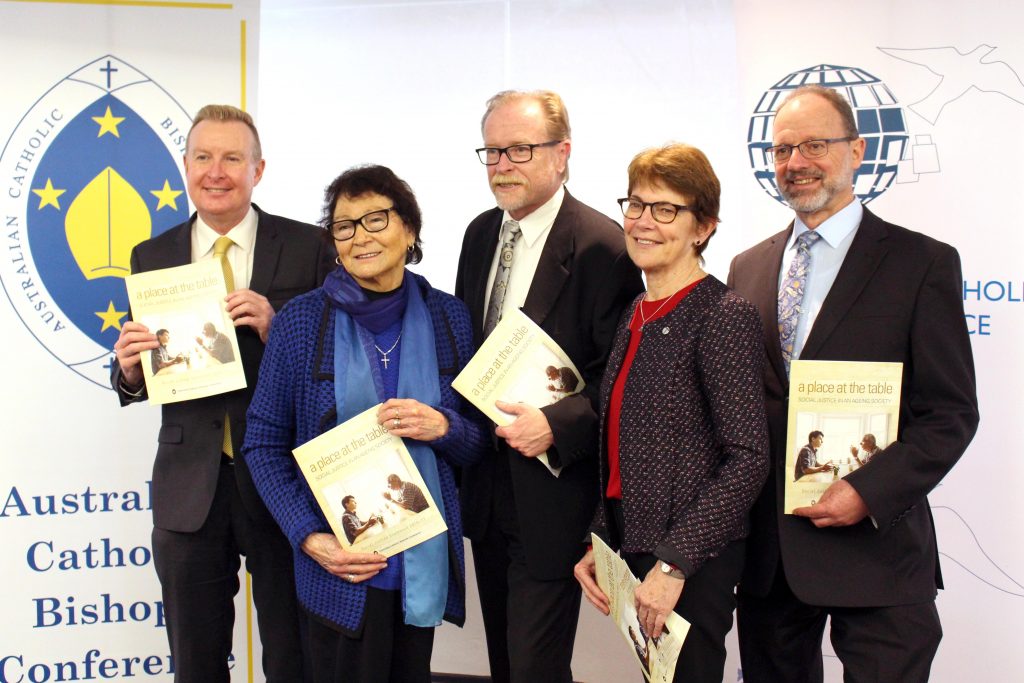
<point x="874" y="569"/>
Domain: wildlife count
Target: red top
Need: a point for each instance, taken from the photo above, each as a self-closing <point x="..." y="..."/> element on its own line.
<point x="649" y="311"/>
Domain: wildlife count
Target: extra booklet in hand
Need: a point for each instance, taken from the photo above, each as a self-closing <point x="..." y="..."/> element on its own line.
<point x="657" y="656"/>
<point x="198" y="353"/>
<point x="369" y="488"/>
<point x="842" y="414"/>
<point x="518" y="363"/>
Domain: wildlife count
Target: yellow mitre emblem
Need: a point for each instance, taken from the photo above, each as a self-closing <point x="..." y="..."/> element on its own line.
<point x="104" y="223"/>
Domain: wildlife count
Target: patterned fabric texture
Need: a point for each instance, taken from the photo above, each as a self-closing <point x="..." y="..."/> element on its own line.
<point x="693" y="444"/>
<point x="294" y="402"/>
<point x="791" y="294"/>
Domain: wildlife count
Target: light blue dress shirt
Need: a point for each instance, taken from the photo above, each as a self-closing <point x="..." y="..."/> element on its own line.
<point x="827" y="255"/>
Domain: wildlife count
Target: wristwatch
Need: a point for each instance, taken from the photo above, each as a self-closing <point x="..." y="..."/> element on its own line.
<point x="670" y="569"/>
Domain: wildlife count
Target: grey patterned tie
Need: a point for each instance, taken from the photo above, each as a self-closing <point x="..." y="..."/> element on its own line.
<point x="510" y="234"/>
<point x="791" y="295"/>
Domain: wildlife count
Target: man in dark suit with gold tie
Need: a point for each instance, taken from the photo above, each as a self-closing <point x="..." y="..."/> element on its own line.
<point x="206" y="511"/>
<point x="565" y="265"/>
<point x="865" y="554"/>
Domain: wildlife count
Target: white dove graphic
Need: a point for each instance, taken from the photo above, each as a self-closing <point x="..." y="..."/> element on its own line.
<point x="959" y="73"/>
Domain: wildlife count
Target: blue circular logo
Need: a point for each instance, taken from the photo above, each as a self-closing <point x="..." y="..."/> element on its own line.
<point x="94" y="168"/>
<point x="880" y="122"/>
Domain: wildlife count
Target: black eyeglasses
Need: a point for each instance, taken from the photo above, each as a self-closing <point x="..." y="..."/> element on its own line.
<point x="810" y="149"/>
<point x="375" y="221"/>
<point x="662" y="212"/>
<point x="517" y="154"/>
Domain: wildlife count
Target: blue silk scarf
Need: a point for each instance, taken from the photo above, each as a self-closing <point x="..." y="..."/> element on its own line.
<point x="358" y="387"/>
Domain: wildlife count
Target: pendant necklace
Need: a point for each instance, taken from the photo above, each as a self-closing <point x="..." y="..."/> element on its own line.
<point x="384" y="354"/>
<point x="640" y="304"/>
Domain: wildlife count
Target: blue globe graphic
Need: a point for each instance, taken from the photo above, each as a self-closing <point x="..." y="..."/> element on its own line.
<point x="879" y="116"/>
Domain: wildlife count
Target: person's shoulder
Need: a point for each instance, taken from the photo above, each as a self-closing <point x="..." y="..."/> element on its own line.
<point x="485" y="219"/>
<point x="159" y="243"/>
<point x="288" y="226"/>
<point x="451" y="306"/>
<point x="302" y="309"/>
<point x="903" y="238"/>
<point x="593" y="224"/>
<point x="757" y="251"/>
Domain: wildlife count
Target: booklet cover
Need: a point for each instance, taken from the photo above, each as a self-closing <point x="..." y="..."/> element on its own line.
<point x="198" y="353"/>
<point x="518" y="363"/>
<point x="369" y="488"/>
<point x="657" y="656"/>
<point x="841" y="415"/>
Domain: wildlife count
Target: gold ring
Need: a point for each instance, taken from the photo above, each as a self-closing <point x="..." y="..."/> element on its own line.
<point x="397" y="422"/>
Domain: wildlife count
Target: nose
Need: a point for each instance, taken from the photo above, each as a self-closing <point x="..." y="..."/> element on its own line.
<point x="504" y="163"/>
<point x="796" y="160"/>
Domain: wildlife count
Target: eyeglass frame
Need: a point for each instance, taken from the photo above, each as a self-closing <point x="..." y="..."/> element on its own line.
<point x="504" y="150"/>
<point x="771" y="151"/>
<point x="624" y="202"/>
<point x="359" y="221"/>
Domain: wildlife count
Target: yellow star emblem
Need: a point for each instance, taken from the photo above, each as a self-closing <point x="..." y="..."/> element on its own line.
<point x="111" y="317"/>
<point x="167" y="196"/>
<point x="108" y="123"/>
<point x="48" y="195"/>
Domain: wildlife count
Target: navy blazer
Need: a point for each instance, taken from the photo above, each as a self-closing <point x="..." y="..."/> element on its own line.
<point x="905" y="288"/>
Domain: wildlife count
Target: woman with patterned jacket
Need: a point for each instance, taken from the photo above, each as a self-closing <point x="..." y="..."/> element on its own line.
<point x="684" y="439"/>
<point x="373" y="333"/>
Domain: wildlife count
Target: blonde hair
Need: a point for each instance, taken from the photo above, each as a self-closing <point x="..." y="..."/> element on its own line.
<point x="226" y="112"/>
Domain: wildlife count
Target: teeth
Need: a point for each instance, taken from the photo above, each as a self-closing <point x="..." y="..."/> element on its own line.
<point x="804" y="181"/>
<point x="645" y="242"/>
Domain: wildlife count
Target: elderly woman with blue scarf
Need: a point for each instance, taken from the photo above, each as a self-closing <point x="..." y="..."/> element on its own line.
<point x="373" y="333"/>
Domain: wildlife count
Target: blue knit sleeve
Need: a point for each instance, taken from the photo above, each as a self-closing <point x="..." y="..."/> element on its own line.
<point x="271" y="420"/>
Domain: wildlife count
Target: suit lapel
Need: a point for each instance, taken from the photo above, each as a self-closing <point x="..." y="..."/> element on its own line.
<point x="767" y="289"/>
<point x="481" y="254"/>
<point x="266" y="251"/>
<point x="866" y="253"/>
<point x="552" y="268"/>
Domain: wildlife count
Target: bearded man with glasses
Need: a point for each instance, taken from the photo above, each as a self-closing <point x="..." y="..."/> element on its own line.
<point x="565" y="265"/>
<point x="865" y="554"/>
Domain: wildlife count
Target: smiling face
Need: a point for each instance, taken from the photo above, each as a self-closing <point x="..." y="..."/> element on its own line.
<point x="375" y="260"/>
<point x="664" y="251"/>
<point x="816" y="441"/>
<point x="815" y="188"/>
<point x="222" y="170"/>
<point x="522" y="188"/>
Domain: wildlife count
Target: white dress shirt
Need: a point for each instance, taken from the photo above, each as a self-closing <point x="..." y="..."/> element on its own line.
<point x="535" y="229"/>
<point x="239" y="255"/>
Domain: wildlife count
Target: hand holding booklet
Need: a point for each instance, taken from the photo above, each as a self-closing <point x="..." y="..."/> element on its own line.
<point x="841" y="415"/>
<point x="184" y="306"/>
<point x="369" y="488"/>
<point x="518" y="363"/>
<point x="658" y="656"/>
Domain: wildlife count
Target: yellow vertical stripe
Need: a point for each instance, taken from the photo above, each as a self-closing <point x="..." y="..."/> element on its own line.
<point x="248" y="624"/>
<point x="242" y="106"/>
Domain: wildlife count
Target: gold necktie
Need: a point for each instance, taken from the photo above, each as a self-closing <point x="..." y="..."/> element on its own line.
<point x="220" y="252"/>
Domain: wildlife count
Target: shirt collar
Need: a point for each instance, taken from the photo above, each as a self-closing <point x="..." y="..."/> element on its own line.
<point x="835" y="229"/>
<point x="534" y="225"/>
<point x="243" y="234"/>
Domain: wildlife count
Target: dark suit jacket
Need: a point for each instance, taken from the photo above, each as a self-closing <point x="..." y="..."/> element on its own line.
<point x="290" y="258"/>
<point x="905" y="288"/>
<point x="583" y="282"/>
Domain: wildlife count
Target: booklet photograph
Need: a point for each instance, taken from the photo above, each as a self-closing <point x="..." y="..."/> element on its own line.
<point x="657" y="656"/>
<point x="841" y="415"/>
<point x="369" y="488"/>
<point x="518" y="363"/>
<point x="198" y="353"/>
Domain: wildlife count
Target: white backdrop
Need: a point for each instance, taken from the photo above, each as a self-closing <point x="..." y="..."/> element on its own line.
<point x="404" y="84"/>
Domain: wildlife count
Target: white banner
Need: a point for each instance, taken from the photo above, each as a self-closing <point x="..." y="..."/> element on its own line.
<point x="97" y="100"/>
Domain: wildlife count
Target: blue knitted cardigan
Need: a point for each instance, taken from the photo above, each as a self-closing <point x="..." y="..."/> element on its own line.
<point x="294" y="402"/>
